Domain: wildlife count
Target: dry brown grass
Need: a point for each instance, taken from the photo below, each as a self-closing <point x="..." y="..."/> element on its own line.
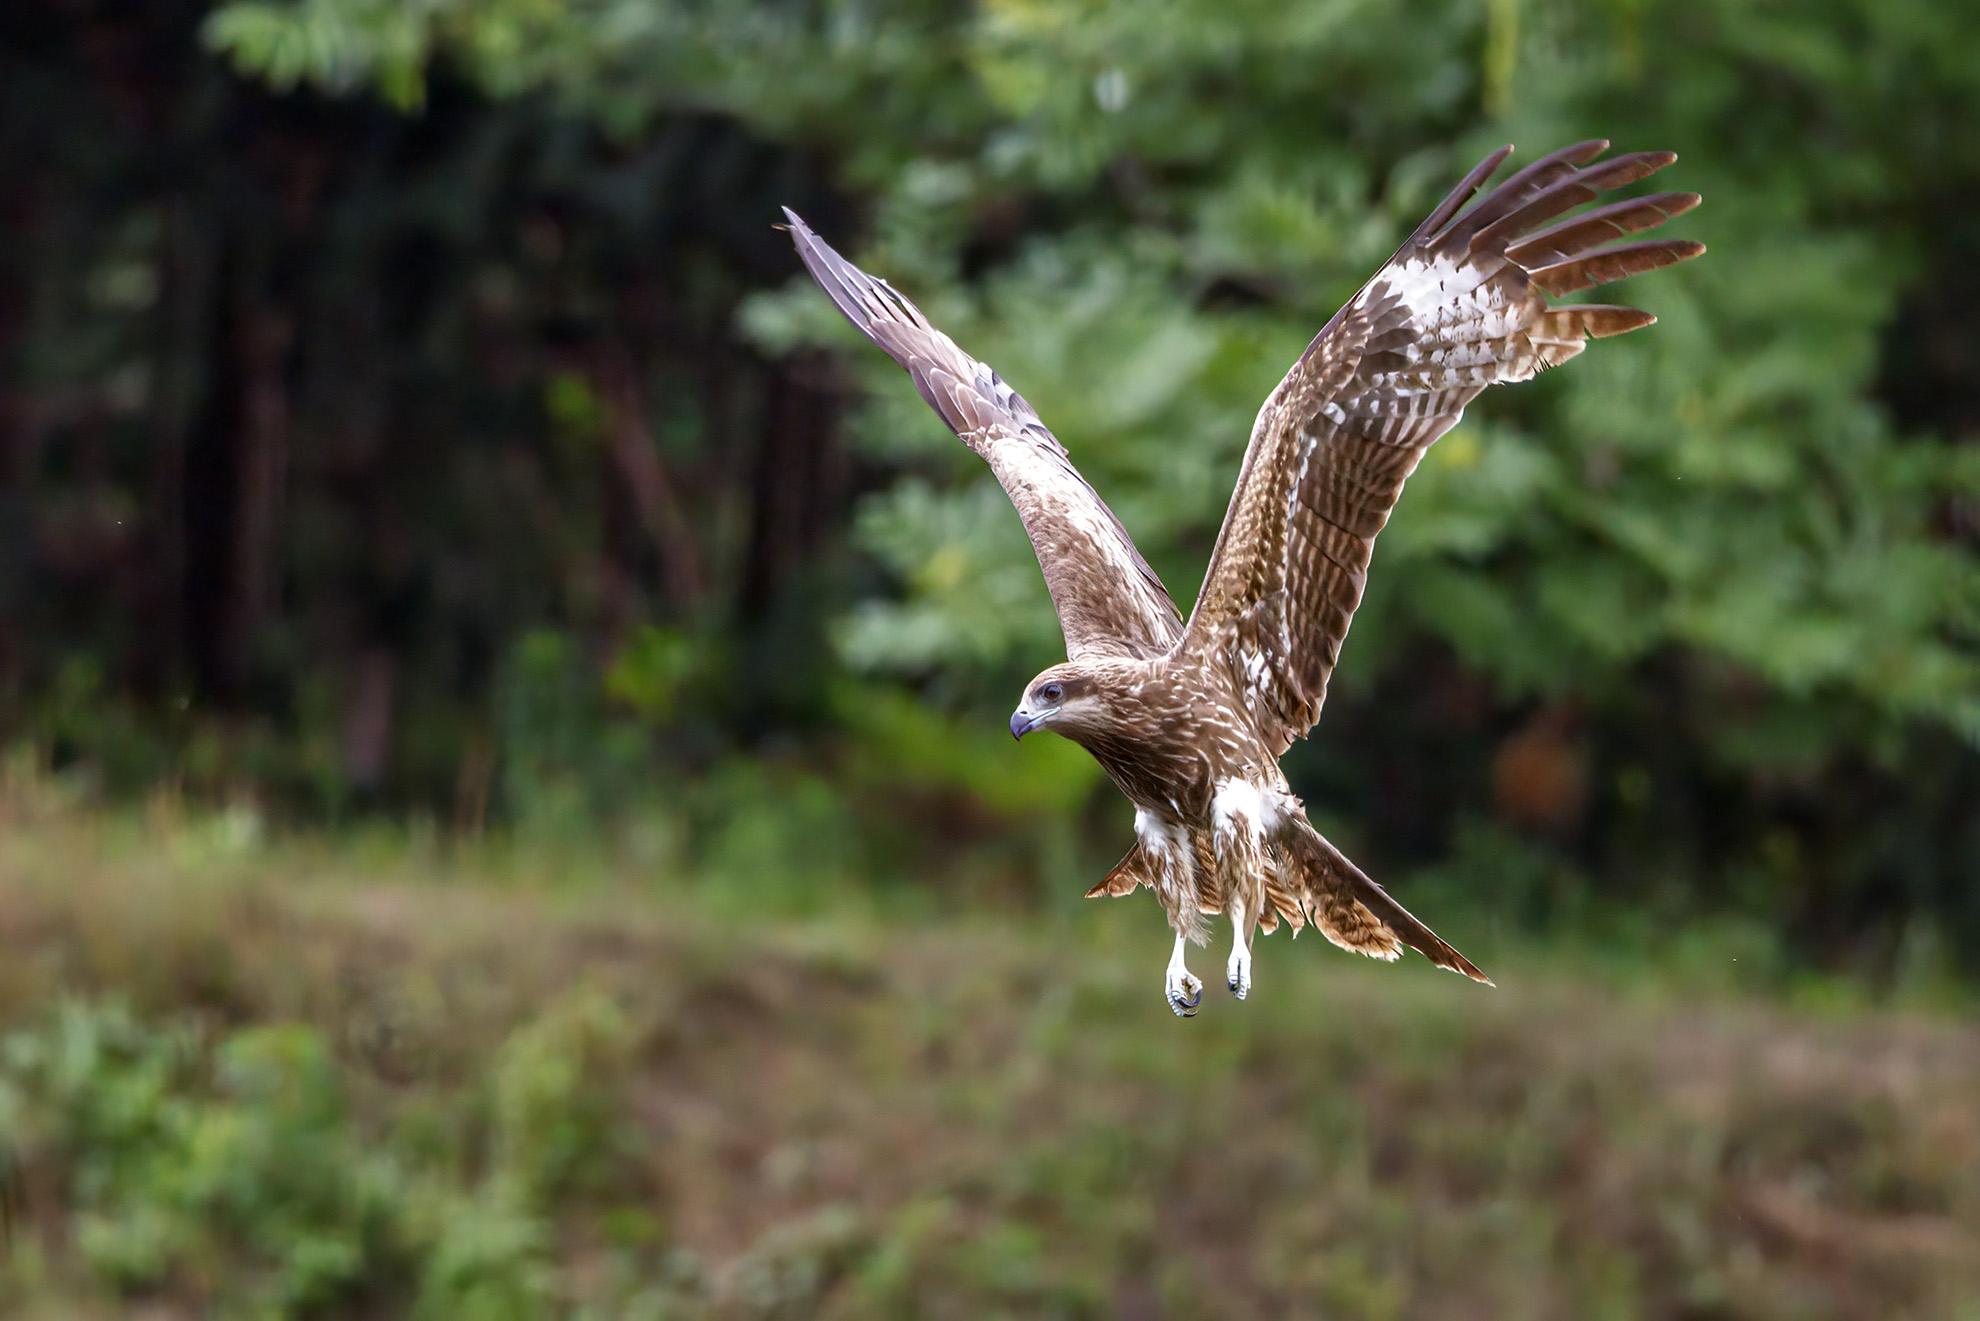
<point x="999" y="1117"/>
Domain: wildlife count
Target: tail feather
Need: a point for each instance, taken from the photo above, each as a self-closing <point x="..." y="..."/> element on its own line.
<point x="1357" y="914"/>
<point x="1304" y="875"/>
<point x="1134" y="869"/>
<point x="1282" y="895"/>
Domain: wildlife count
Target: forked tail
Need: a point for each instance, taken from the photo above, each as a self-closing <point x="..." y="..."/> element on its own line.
<point x="1353" y="911"/>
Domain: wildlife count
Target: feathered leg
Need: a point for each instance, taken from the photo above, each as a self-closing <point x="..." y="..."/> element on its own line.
<point x="1238" y="814"/>
<point x="1165" y="860"/>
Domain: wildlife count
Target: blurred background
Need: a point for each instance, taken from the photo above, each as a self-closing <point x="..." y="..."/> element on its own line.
<point x="506" y="808"/>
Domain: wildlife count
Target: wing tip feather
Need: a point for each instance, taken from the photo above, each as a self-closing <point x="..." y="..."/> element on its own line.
<point x="1609" y="264"/>
<point x="1454" y="201"/>
<point x="1599" y="321"/>
<point x="1466" y="968"/>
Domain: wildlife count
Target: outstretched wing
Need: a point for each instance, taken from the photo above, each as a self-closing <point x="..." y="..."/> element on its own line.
<point x="1462" y="305"/>
<point x="1109" y="600"/>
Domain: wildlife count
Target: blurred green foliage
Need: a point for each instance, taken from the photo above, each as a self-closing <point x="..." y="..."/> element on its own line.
<point x="232" y="1163"/>
<point x="1696" y="619"/>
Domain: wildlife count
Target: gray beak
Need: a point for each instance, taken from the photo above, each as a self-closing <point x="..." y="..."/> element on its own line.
<point x="1023" y="723"/>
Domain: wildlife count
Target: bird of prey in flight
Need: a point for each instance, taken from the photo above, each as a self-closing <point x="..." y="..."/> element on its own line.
<point x="1189" y="718"/>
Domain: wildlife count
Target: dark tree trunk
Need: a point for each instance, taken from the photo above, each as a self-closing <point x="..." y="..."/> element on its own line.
<point x="235" y="468"/>
<point x="799" y="486"/>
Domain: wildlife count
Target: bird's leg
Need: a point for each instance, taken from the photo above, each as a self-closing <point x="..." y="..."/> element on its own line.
<point x="1237" y="972"/>
<point x="1185" y="991"/>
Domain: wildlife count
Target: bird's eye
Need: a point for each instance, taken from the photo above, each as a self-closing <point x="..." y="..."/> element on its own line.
<point x="1052" y="692"/>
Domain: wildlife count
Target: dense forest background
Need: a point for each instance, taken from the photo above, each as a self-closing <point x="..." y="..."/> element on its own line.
<point x="411" y="410"/>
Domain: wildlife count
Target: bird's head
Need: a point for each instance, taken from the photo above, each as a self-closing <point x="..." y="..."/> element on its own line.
<point x="1058" y="699"/>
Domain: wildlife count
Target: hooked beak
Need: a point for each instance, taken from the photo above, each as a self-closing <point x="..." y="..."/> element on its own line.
<point x="1023" y="722"/>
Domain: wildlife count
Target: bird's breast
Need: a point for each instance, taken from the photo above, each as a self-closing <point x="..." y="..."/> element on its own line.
<point x="1173" y="746"/>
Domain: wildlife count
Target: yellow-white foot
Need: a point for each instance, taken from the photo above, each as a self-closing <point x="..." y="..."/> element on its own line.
<point x="1237" y="973"/>
<point x="1183" y="989"/>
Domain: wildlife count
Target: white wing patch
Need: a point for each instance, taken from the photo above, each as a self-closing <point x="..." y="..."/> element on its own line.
<point x="1458" y="323"/>
<point x="1428" y="287"/>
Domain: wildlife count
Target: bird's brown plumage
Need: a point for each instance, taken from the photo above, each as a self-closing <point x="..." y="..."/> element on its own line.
<point x="1107" y="597"/>
<point x="1455" y="310"/>
<point x="1190" y="719"/>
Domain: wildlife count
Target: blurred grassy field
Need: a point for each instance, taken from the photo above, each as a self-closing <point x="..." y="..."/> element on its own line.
<point x="373" y="1078"/>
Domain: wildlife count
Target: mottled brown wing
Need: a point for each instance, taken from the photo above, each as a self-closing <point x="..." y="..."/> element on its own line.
<point x="1462" y="305"/>
<point x="1109" y="600"/>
